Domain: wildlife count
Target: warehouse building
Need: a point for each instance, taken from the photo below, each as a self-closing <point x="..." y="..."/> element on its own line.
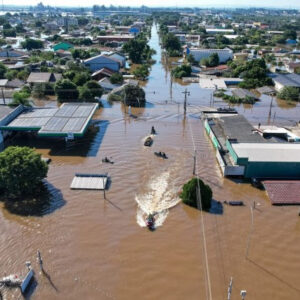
<point x="242" y="150"/>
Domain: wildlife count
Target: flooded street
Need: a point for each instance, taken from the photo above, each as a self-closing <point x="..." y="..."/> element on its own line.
<point x="99" y="249"/>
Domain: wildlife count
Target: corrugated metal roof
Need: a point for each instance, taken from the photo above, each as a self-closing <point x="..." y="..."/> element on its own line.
<point x="283" y="192"/>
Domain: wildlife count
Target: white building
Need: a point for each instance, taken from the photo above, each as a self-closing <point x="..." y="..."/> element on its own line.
<point x="224" y="54"/>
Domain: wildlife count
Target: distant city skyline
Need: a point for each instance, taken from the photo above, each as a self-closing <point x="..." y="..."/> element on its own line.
<point x="291" y="4"/>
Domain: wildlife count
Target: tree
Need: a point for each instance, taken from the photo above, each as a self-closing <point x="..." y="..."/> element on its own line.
<point x="9" y="32"/>
<point x="133" y="95"/>
<point x="81" y="78"/>
<point x="21" y="171"/>
<point x="290" y="34"/>
<point x="141" y="72"/>
<point x="20" y="98"/>
<point x="213" y="60"/>
<point x="171" y="42"/>
<point x="95" y="88"/>
<point x="30" y="44"/>
<point x="3" y="70"/>
<point x="191" y="59"/>
<point x="182" y="71"/>
<point x="85" y="95"/>
<point x="189" y="193"/>
<point x="116" y="78"/>
<point x="289" y="93"/>
<point x="135" y="49"/>
<point x="11" y="74"/>
<point x="66" y="91"/>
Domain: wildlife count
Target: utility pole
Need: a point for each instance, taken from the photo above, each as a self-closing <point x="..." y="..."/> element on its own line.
<point x="186" y="93"/>
<point x="3" y="96"/>
<point x="229" y="289"/>
<point x="251" y="230"/>
<point x="194" y="168"/>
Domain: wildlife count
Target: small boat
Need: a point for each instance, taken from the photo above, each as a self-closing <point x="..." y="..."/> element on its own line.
<point x="161" y="154"/>
<point x="148" y="141"/>
<point x="107" y="160"/>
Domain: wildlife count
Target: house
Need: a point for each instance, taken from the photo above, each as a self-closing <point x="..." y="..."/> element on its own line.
<point x="107" y="85"/>
<point x="121" y="58"/>
<point x="219" y="31"/>
<point x="102" y="61"/>
<point x="224" y="54"/>
<point x="11" y="84"/>
<point x="62" y="46"/>
<point x="240" y="56"/>
<point x="11" y="53"/>
<point x="291" y="67"/>
<point x="98" y="75"/>
<point x="43" y="77"/>
<point x="283" y="80"/>
<point x="115" y="38"/>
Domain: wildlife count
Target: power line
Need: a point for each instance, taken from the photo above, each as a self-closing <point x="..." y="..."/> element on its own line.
<point x="209" y="296"/>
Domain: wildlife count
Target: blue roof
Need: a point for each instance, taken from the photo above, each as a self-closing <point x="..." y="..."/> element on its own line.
<point x="287" y="79"/>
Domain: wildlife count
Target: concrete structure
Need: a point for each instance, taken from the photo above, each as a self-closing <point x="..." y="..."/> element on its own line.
<point x="71" y="119"/>
<point x="224" y="54"/>
<point x="102" y="61"/>
<point x="89" y="182"/>
<point x="243" y="151"/>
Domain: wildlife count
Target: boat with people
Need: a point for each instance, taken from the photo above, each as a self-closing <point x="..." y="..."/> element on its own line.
<point x="148" y="141"/>
<point x="150" y="222"/>
<point x="161" y="154"/>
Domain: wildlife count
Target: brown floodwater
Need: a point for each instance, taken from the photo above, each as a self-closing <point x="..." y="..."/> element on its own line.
<point x="99" y="249"/>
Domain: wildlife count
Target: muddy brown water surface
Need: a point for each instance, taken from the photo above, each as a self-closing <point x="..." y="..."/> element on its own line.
<point x="99" y="249"/>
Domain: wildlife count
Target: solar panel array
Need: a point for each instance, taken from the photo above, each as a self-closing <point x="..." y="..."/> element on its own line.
<point x="69" y="118"/>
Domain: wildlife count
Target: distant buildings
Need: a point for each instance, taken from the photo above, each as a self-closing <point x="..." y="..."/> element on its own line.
<point x="224" y="54"/>
<point x="219" y="31"/>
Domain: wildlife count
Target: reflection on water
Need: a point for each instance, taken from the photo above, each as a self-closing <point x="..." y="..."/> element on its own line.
<point x="46" y="202"/>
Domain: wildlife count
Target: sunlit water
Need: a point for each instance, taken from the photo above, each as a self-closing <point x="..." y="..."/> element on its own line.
<point x="98" y="249"/>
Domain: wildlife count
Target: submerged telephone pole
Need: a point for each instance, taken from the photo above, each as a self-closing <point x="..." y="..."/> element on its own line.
<point x="186" y="93"/>
<point x="229" y="289"/>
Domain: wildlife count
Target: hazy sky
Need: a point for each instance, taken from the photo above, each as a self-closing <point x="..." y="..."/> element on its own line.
<point x="290" y="4"/>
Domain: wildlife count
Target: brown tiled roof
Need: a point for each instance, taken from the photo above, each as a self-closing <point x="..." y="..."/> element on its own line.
<point x="283" y="192"/>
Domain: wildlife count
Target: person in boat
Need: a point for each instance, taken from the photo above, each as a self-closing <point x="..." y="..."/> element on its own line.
<point x="153" y="131"/>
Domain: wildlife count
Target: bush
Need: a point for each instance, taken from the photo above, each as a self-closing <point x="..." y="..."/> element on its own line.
<point x="133" y="95"/>
<point x="182" y="71"/>
<point x="116" y="78"/>
<point x="20" y="98"/>
<point x="114" y="97"/>
<point x="66" y="91"/>
<point x="21" y="171"/>
<point x="289" y="93"/>
<point x="30" y="44"/>
<point x="95" y="88"/>
<point x="189" y="193"/>
<point x="141" y="72"/>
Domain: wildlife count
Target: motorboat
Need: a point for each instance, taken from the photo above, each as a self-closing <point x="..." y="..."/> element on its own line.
<point x="161" y="154"/>
<point x="150" y="222"/>
<point x="148" y="141"/>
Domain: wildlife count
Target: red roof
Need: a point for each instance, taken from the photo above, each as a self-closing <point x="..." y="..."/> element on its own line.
<point x="283" y="192"/>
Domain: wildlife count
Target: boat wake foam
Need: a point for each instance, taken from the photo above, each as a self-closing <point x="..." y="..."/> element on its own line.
<point x="161" y="197"/>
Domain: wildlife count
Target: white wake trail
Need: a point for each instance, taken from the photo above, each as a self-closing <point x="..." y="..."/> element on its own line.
<point x="161" y="196"/>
